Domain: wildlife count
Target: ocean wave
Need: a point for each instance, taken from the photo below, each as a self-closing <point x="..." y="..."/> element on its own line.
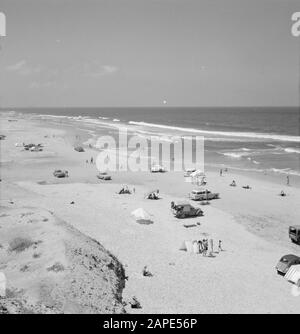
<point x="292" y="150"/>
<point x="248" y="153"/>
<point x="252" y="135"/>
<point x="236" y="155"/>
<point x="54" y="116"/>
<point x="285" y="149"/>
<point x="285" y="171"/>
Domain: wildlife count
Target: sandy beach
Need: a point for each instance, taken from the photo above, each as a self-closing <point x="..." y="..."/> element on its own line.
<point x="252" y="224"/>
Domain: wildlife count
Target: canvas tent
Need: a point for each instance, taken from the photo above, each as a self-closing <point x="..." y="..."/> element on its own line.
<point x="190" y="246"/>
<point x="2" y="285"/>
<point x="141" y="216"/>
<point x="197" y="173"/>
<point x="153" y="194"/>
<point x="293" y="275"/>
<point x="189" y="171"/>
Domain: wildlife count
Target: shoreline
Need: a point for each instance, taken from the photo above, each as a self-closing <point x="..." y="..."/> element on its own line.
<point x="240" y="162"/>
<point x="248" y="230"/>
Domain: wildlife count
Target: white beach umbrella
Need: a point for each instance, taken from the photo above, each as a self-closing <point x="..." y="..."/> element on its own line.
<point x="141" y="216"/>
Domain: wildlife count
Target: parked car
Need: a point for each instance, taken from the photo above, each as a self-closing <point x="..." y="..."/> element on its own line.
<point x="157" y="169"/>
<point x="60" y="173"/>
<point x="104" y="176"/>
<point x="185" y="210"/>
<point x="286" y="262"/>
<point x="203" y="195"/>
<point x="294" y="233"/>
<point x="79" y="149"/>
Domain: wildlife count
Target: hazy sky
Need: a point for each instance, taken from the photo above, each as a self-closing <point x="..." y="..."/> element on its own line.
<point x="141" y="52"/>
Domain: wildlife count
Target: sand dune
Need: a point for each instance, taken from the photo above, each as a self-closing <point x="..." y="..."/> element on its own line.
<point x="52" y="268"/>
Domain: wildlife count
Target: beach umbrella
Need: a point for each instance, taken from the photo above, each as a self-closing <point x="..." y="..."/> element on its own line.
<point x="141" y="216"/>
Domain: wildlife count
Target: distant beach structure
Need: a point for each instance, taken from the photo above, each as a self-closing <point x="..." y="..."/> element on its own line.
<point x="2" y="284"/>
<point x="2" y="25"/>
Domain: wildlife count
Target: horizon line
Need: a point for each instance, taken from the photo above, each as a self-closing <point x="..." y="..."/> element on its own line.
<point x="154" y="106"/>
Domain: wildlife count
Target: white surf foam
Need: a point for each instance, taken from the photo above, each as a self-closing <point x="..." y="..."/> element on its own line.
<point x="252" y="135"/>
<point x="292" y="150"/>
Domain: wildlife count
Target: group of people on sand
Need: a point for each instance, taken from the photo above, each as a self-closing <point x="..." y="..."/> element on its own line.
<point x="282" y="193"/>
<point x="233" y="184"/>
<point x="153" y="195"/>
<point x="221" y="171"/>
<point x="125" y="190"/>
<point x="206" y="247"/>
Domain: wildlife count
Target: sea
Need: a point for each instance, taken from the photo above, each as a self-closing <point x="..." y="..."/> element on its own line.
<point x="251" y="139"/>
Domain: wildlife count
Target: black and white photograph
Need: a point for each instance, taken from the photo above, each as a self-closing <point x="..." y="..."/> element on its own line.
<point x="149" y="158"/>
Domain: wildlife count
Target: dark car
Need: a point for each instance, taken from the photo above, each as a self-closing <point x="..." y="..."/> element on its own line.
<point x="60" y="173"/>
<point x="185" y="210"/>
<point x="294" y="233"/>
<point x="104" y="176"/>
<point x="286" y="262"/>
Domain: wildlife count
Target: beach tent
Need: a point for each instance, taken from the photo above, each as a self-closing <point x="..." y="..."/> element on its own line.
<point x="293" y="274"/>
<point x="189" y="246"/>
<point x="189" y="171"/>
<point x="141" y="216"/>
<point x="196" y="247"/>
<point x="152" y="193"/>
<point x="2" y="285"/>
<point x="183" y="246"/>
<point x="197" y="173"/>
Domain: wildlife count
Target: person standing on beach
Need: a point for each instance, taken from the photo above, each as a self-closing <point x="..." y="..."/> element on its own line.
<point x="200" y="246"/>
<point x="205" y="247"/>
<point x="92" y="160"/>
<point x="220" y="246"/>
<point x="211" y="245"/>
<point x="221" y="172"/>
<point x="288" y="180"/>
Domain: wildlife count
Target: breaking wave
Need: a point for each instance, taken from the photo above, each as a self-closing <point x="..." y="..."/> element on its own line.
<point x="252" y="135"/>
